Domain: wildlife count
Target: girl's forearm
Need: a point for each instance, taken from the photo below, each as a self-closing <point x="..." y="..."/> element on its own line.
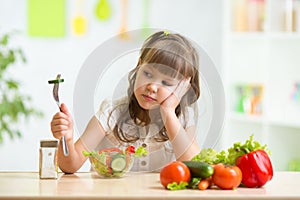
<point x="93" y="134"/>
<point x="71" y="163"/>
<point x="183" y="142"/>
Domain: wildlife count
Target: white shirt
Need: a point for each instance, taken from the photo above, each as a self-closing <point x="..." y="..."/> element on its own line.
<point x="159" y="153"/>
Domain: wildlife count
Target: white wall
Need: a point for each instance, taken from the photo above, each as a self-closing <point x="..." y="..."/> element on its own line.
<point x="197" y="19"/>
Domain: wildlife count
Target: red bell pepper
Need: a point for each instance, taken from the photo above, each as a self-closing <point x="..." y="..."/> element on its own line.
<point x="256" y="168"/>
<point x="253" y="160"/>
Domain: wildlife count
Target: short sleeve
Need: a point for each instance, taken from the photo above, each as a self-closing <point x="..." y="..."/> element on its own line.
<point x="105" y="113"/>
<point x="110" y="111"/>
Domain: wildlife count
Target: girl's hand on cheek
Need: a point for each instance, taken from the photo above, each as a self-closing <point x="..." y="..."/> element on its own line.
<point x="172" y="101"/>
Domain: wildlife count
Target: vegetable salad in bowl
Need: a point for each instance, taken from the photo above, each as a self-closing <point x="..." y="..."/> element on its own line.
<point x="114" y="162"/>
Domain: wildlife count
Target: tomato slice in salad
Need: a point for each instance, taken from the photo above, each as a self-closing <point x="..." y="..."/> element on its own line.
<point x="113" y="149"/>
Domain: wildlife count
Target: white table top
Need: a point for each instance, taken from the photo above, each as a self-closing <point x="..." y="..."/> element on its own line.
<point x="13" y="185"/>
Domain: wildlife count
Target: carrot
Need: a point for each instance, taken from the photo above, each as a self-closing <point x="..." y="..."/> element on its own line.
<point x="204" y="184"/>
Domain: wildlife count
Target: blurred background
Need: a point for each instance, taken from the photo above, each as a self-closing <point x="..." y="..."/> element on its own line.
<point x="253" y="43"/>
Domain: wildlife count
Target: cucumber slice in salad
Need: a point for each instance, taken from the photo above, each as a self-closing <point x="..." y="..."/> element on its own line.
<point x="118" y="163"/>
<point x="56" y="81"/>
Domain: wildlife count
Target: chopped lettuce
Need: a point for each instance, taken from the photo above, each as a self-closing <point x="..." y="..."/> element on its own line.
<point x="239" y="149"/>
<point x="206" y="155"/>
<point x="100" y="157"/>
<point x="210" y="156"/>
<point x="177" y="186"/>
<point x="230" y="155"/>
<point x="140" y="151"/>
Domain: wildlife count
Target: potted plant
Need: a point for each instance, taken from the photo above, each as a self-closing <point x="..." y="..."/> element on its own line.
<point x="14" y="105"/>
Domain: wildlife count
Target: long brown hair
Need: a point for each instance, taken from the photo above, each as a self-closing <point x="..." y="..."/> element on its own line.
<point x="162" y="49"/>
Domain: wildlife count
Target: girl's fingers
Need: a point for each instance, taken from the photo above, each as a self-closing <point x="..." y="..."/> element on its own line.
<point x="182" y="88"/>
<point x="175" y="97"/>
<point x="59" y="121"/>
<point x="60" y="130"/>
<point x="61" y="117"/>
<point x="59" y="134"/>
<point x="61" y="125"/>
<point x="65" y="110"/>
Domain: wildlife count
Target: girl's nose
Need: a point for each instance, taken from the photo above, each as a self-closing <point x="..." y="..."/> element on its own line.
<point x="152" y="87"/>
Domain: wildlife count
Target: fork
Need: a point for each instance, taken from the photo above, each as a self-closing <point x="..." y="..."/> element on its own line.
<point x="56" y="98"/>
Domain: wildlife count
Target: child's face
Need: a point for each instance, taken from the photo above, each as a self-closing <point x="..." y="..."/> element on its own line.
<point x="152" y="87"/>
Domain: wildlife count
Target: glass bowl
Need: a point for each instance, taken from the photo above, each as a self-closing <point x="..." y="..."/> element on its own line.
<point x="111" y="162"/>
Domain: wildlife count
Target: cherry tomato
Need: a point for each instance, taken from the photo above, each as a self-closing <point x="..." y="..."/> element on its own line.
<point x="175" y="171"/>
<point x="227" y="176"/>
<point x="130" y="149"/>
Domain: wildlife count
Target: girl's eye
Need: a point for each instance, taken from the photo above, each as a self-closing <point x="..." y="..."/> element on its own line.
<point x="166" y="83"/>
<point x="147" y="74"/>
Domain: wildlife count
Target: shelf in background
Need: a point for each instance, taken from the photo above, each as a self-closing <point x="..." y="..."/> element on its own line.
<point x="246" y="35"/>
<point x="261" y="119"/>
<point x="242" y="117"/>
<point x="276" y="35"/>
<point x="284" y="35"/>
<point x="290" y="123"/>
<point x="261" y="46"/>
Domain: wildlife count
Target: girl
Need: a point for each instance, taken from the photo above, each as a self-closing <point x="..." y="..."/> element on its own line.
<point x="157" y="113"/>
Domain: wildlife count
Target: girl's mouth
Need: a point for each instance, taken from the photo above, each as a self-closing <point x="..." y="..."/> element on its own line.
<point x="148" y="98"/>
